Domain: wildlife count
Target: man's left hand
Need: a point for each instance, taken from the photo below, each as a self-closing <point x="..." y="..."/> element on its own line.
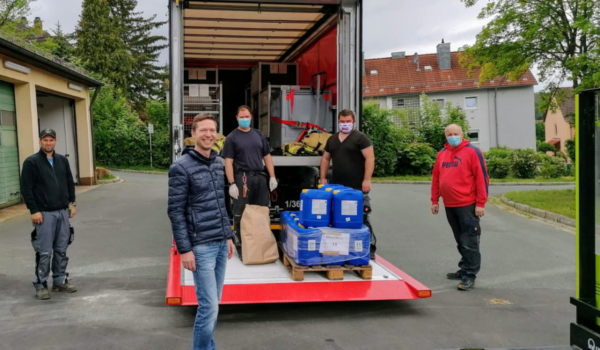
<point x="479" y="211"/>
<point x="72" y="211"/>
<point x="230" y="248"/>
<point x="272" y="184"/>
<point x="366" y="186"/>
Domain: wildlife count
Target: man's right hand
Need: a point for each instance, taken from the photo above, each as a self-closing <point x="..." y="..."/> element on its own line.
<point x="188" y="260"/>
<point x="37" y="218"/>
<point x="435" y="208"/>
<point x="233" y="191"/>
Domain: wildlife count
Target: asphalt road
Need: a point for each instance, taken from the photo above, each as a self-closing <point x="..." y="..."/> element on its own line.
<point x="119" y="263"/>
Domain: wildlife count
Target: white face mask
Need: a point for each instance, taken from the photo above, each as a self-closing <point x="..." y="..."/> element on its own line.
<point x="346" y="128"/>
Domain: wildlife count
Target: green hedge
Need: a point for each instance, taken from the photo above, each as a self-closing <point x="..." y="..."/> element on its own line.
<point x="525" y="164"/>
<point x="121" y="138"/>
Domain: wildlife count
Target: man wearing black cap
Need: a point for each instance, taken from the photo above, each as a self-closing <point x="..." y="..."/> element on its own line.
<point x="49" y="192"/>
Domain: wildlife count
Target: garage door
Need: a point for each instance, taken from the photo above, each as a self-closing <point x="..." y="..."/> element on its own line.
<point x="9" y="158"/>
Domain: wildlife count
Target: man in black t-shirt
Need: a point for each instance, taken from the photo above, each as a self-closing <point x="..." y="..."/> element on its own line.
<point x="353" y="159"/>
<point x="244" y="151"/>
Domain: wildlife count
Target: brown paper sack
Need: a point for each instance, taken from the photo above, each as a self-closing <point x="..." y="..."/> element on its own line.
<point x="258" y="242"/>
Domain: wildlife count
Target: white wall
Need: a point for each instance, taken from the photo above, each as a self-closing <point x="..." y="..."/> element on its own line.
<point x="516" y="117"/>
<point x="504" y="117"/>
<point x="477" y="118"/>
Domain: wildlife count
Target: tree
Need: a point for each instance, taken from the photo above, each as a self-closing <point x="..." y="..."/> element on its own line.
<point x="144" y="80"/>
<point x="433" y="122"/>
<point x="100" y="46"/>
<point x="11" y="11"/>
<point x="540" y="132"/>
<point x="116" y="42"/>
<point x="64" y="49"/>
<point x="562" y="37"/>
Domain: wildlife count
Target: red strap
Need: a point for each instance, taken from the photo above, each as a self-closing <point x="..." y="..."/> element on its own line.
<point x="297" y="124"/>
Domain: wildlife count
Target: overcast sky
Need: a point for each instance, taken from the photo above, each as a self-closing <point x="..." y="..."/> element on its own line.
<point x="389" y="25"/>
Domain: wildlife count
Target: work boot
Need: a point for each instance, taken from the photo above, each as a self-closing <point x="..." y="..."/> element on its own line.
<point x="455" y="275"/>
<point x="67" y="288"/>
<point x="467" y="283"/>
<point x="42" y="294"/>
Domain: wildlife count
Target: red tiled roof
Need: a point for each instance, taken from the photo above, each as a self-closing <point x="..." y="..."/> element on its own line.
<point x="400" y="76"/>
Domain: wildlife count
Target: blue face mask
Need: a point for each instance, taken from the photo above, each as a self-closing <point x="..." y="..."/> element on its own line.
<point x="454" y="140"/>
<point x="244" y="123"/>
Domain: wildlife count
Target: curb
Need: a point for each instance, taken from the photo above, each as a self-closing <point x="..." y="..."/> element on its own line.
<point x="106" y="182"/>
<point x="389" y="182"/>
<point x="539" y="212"/>
<point x="139" y="171"/>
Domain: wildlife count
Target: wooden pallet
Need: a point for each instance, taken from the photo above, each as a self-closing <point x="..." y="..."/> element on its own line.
<point x="332" y="272"/>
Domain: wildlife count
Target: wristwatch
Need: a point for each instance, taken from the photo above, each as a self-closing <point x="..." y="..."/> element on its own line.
<point x="73" y="204"/>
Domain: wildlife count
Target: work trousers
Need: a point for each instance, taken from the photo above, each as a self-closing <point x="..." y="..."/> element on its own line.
<point x="467" y="233"/>
<point x="257" y="193"/>
<point x="50" y="240"/>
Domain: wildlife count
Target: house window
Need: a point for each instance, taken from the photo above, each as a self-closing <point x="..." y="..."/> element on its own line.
<point x="471" y="102"/>
<point x="410" y="116"/>
<point x="439" y="101"/>
<point x="473" y="135"/>
<point x="410" y="102"/>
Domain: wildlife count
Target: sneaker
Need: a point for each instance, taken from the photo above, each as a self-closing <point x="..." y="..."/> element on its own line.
<point x="455" y="275"/>
<point x="42" y="294"/>
<point x="68" y="288"/>
<point x="466" y="284"/>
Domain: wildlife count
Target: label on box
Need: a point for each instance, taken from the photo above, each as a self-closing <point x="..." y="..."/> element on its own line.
<point x="350" y="208"/>
<point x="312" y="245"/>
<point x="335" y="243"/>
<point x="358" y="246"/>
<point x="318" y="217"/>
<point x="319" y="207"/>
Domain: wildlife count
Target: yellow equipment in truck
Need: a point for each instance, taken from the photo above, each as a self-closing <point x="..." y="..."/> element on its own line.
<point x="218" y="146"/>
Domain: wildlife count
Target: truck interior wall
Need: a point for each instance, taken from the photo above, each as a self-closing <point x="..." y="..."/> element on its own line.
<point x="234" y="95"/>
<point x="321" y="57"/>
<point x="211" y="78"/>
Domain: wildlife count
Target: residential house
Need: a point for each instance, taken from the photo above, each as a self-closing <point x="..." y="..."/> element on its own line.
<point x="39" y="91"/>
<point x="558" y="123"/>
<point x="500" y="112"/>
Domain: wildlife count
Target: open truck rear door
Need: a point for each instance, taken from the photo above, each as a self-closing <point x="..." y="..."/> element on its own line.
<point x="229" y="53"/>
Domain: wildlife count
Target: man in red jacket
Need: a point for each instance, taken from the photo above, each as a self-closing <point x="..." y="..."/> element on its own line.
<point x="460" y="177"/>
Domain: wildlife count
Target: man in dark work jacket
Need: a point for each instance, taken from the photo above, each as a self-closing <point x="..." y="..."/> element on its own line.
<point x="49" y="192"/>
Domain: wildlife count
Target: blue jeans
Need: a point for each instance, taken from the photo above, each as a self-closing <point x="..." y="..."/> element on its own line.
<point x="211" y="261"/>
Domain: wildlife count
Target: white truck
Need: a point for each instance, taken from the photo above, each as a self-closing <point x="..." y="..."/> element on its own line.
<point x="295" y="63"/>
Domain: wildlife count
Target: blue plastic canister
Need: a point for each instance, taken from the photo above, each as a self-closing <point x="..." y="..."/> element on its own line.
<point x="315" y="208"/>
<point x="347" y="208"/>
<point x="330" y="187"/>
<point x="303" y="244"/>
<point x="360" y="241"/>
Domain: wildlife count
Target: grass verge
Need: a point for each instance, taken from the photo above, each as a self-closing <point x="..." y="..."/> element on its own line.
<point x="557" y="201"/>
<point x="108" y="177"/>
<point x="428" y="178"/>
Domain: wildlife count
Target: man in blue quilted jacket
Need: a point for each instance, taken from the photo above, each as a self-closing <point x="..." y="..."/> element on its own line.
<point x="201" y="229"/>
